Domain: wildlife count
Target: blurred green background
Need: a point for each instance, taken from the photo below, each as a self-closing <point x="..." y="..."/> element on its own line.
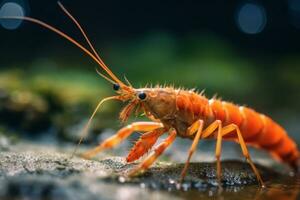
<point x="246" y="52"/>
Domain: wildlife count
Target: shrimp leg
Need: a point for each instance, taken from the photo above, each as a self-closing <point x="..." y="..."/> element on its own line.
<point x="216" y="125"/>
<point x="144" y="143"/>
<point x="232" y="127"/>
<point x="199" y="126"/>
<point x="155" y="154"/>
<point x="121" y="135"/>
<point x="224" y="131"/>
<point x="218" y="151"/>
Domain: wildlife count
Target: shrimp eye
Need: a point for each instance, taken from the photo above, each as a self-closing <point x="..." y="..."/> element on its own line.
<point x="116" y="87"/>
<point x="142" y="96"/>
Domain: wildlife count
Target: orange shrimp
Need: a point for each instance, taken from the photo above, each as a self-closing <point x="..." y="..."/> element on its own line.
<point x="182" y="113"/>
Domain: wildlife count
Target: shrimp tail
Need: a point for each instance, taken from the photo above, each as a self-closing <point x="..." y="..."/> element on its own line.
<point x="259" y="130"/>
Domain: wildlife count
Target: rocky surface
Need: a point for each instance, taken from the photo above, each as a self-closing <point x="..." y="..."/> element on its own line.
<point x="29" y="171"/>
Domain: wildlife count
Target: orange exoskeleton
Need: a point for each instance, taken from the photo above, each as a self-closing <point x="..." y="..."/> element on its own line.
<point x="182" y="113"/>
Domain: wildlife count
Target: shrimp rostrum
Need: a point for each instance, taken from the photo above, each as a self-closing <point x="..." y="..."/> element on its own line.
<point x="182" y="113"/>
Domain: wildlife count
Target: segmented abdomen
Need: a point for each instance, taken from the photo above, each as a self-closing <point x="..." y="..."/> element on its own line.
<point x="256" y="129"/>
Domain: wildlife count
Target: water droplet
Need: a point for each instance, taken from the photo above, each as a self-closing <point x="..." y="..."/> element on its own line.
<point x="122" y="179"/>
<point x="171" y="181"/>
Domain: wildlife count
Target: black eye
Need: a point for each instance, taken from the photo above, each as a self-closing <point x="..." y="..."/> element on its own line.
<point x="116" y="87"/>
<point x="142" y="96"/>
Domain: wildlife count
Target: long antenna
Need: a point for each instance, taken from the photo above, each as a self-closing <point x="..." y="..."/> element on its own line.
<point x="105" y="77"/>
<point x="85" y="129"/>
<point x="81" y="30"/>
<point x="70" y="39"/>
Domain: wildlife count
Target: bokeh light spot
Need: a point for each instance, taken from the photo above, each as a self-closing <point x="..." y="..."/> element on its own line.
<point x="11" y="9"/>
<point x="251" y="18"/>
<point x="294" y="12"/>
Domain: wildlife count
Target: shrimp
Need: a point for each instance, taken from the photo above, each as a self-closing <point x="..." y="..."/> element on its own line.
<point x="180" y="113"/>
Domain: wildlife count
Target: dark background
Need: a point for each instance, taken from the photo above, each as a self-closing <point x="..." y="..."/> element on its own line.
<point x="119" y="20"/>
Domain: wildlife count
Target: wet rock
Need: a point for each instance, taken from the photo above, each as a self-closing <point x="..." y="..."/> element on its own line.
<point x="46" y="173"/>
<point x="43" y="173"/>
